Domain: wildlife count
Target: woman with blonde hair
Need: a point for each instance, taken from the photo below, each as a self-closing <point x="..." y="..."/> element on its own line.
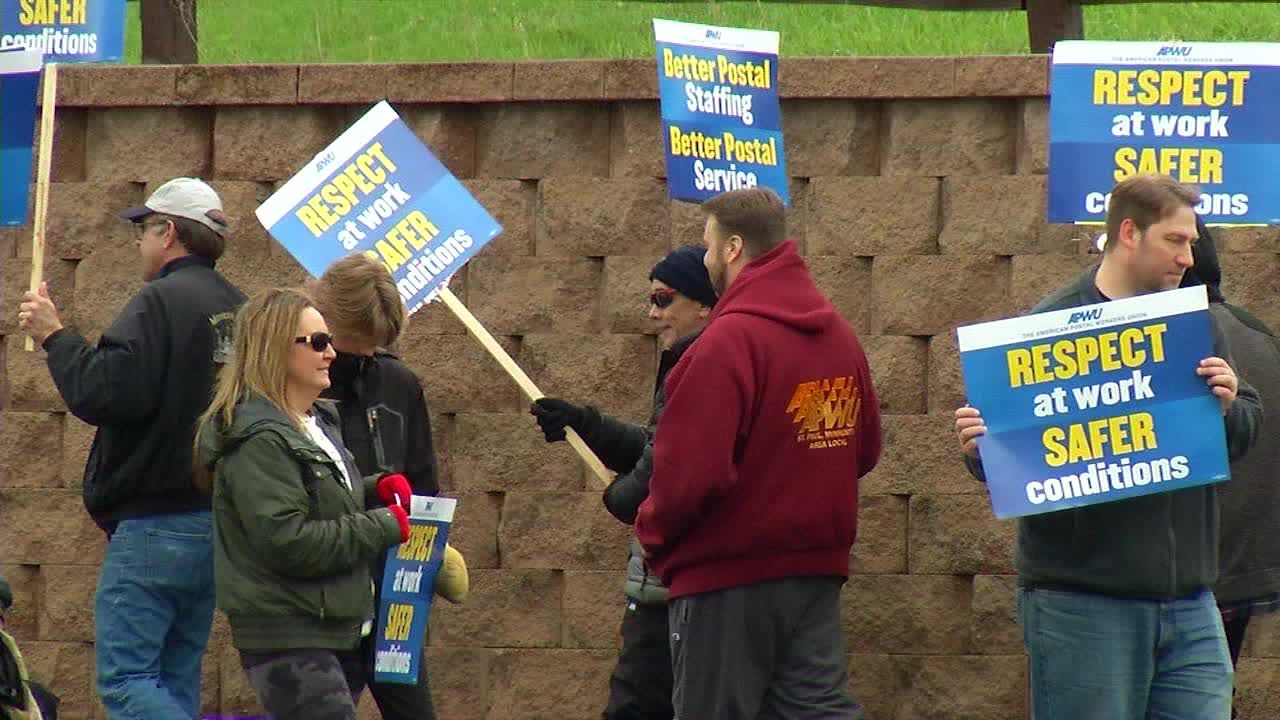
<point x="293" y="540"/>
<point x="386" y="426"/>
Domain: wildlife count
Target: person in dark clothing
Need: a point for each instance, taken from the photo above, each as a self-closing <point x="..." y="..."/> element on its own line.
<point x="20" y="696"/>
<point x="1116" y="599"/>
<point x="770" y="422"/>
<point x="385" y="422"/>
<point x="680" y="300"/>
<point x="143" y="385"/>
<point x="1248" y="558"/>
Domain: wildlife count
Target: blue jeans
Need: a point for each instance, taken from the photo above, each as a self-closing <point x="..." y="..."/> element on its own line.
<point x="1095" y="656"/>
<point x="152" y="615"/>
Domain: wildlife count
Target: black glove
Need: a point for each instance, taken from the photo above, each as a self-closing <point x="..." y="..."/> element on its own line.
<point x="555" y="415"/>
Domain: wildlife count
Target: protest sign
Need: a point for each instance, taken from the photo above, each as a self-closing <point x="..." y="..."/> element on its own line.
<point x="1203" y="113"/>
<point x="721" y="124"/>
<point x="19" y="78"/>
<point x="1095" y="404"/>
<point x="66" y="31"/>
<point x="377" y="189"/>
<point x="408" y="584"/>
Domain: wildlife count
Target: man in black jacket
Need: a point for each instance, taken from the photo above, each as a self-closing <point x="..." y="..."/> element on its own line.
<point x="143" y="385"/>
<point x="680" y="301"/>
<point x="1115" y="599"/>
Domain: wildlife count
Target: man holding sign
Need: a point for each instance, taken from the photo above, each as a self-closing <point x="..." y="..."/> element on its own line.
<point x="1114" y="596"/>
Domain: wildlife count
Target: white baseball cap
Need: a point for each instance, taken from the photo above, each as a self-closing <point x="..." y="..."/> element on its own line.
<point x="186" y="198"/>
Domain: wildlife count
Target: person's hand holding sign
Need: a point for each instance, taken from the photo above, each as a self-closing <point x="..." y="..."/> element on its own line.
<point x="1221" y="380"/>
<point x="969" y="427"/>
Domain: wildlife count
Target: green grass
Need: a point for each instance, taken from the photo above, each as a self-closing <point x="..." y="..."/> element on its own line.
<point x="265" y="31"/>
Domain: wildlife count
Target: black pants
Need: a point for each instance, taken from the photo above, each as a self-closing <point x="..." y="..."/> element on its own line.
<point x="640" y="688"/>
<point x="306" y="684"/>
<point x="395" y="701"/>
<point x="1235" y="636"/>
<point x="770" y="651"/>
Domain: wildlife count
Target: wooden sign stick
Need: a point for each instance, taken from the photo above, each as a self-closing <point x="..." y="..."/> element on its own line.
<point x="43" y="162"/>
<point x="530" y="389"/>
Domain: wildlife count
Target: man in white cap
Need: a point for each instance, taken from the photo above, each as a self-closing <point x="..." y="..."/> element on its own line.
<point x="143" y="386"/>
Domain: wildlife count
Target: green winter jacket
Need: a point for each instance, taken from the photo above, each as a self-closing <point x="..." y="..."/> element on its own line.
<point x="292" y="546"/>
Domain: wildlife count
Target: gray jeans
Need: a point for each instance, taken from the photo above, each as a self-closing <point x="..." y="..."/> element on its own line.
<point x="773" y="650"/>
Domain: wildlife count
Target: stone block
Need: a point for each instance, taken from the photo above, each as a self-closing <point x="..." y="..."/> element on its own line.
<point x="237" y="695"/>
<point x="43" y="527"/>
<point x="881" y="546"/>
<point x="921" y="455"/>
<point x="104" y="282"/>
<point x="1262" y="638"/>
<point x="77" y="439"/>
<point x="637" y="147"/>
<point x="868" y="77"/>
<point x="66" y="668"/>
<point x="631" y="79"/>
<point x="969" y="205"/>
<point x="907" y="614"/>
<point x="102" y="85"/>
<point x="522" y="295"/>
<point x="450" y="82"/>
<point x="28" y="441"/>
<point x="626" y="293"/>
<point x="450" y="132"/>
<point x="1258" y="680"/>
<point x="1032" y="154"/>
<point x="1246" y="239"/>
<point x="959" y="535"/>
<point x="513" y="204"/>
<point x="534" y="140"/>
<point x="946" y="378"/>
<point x="924" y="295"/>
<point x="15" y="275"/>
<point x="504" y="608"/>
<point x="867" y="216"/>
<point x="253" y="271"/>
<point x="846" y="281"/>
<point x="294" y="136"/>
<point x="1252" y="280"/>
<point x="875" y="682"/>
<point x="559" y="80"/>
<point x="459" y="375"/>
<point x="949" y="137"/>
<point x="965" y="688"/>
<point x="1035" y="277"/>
<point x="248" y="84"/>
<point x="546" y="684"/>
<point x="899" y="366"/>
<point x="561" y="531"/>
<point x="23" y="619"/>
<point x="141" y="144"/>
<point x="30" y="389"/>
<point x="66" y="602"/>
<point x="527" y="462"/>
<point x="69" y="146"/>
<point x="612" y="372"/>
<point x="1017" y="76"/>
<point x="460" y="681"/>
<point x="474" y="532"/>
<point x="594" y="603"/>
<point x="341" y="84"/>
<point x="83" y="218"/>
<point x="828" y="137"/>
<point x="995" y="615"/>
<point x="595" y="218"/>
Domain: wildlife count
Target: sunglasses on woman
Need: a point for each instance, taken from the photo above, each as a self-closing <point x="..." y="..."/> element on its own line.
<point x="318" y="341"/>
<point x="662" y="298"/>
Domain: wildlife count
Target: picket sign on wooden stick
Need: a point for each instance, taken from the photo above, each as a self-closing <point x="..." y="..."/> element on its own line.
<point x="531" y="390"/>
<point x="43" y="162"/>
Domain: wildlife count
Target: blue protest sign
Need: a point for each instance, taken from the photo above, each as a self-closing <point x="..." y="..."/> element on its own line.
<point x="721" y="124"/>
<point x="19" y="78"/>
<point x="378" y="190"/>
<point x="1203" y="113"/>
<point x="1095" y="404"/>
<point x="407" y="585"/>
<point x="66" y="31"/>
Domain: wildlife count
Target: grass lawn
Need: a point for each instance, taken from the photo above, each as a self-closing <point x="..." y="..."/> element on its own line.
<point x="240" y="31"/>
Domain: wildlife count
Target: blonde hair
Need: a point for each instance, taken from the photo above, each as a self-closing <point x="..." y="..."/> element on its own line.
<point x="359" y="299"/>
<point x="264" y="333"/>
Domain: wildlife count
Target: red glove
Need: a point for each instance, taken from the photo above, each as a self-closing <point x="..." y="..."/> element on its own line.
<point x="389" y="486"/>
<point x="401" y="517"/>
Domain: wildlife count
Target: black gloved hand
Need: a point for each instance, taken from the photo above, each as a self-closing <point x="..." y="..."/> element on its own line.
<point x="555" y="415"/>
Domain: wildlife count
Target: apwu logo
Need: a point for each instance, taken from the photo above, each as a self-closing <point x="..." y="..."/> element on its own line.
<point x="1082" y="315"/>
<point x="713" y="34"/>
<point x="1174" y="51"/>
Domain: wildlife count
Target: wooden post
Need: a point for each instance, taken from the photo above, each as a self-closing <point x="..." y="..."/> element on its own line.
<point x="44" y="161"/>
<point x="168" y="32"/>
<point x="1049" y="21"/>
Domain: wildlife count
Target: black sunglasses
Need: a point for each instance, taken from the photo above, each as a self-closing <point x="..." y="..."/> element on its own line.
<point x="319" y="341"/>
<point x="662" y="298"/>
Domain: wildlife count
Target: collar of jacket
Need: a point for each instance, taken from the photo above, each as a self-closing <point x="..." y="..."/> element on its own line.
<point x="184" y="262"/>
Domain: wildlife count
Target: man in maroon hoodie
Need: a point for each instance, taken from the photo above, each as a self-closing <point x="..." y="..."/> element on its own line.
<point x="771" y="419"/>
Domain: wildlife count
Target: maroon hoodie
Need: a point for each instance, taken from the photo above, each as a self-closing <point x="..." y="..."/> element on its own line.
<point x="770" y="420"/>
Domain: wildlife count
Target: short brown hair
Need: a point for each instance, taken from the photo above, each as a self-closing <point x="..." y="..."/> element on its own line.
<point x="196" y="237"/>
<point x="1146" y="200"/>
<point x="358" y="298"/>
<point x="756" y="215"/>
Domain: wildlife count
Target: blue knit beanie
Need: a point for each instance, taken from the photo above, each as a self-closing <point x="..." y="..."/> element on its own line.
<point x="683" y="271"/>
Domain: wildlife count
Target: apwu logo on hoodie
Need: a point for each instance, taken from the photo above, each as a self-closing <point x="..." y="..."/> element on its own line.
<point x="826" y="411"/>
